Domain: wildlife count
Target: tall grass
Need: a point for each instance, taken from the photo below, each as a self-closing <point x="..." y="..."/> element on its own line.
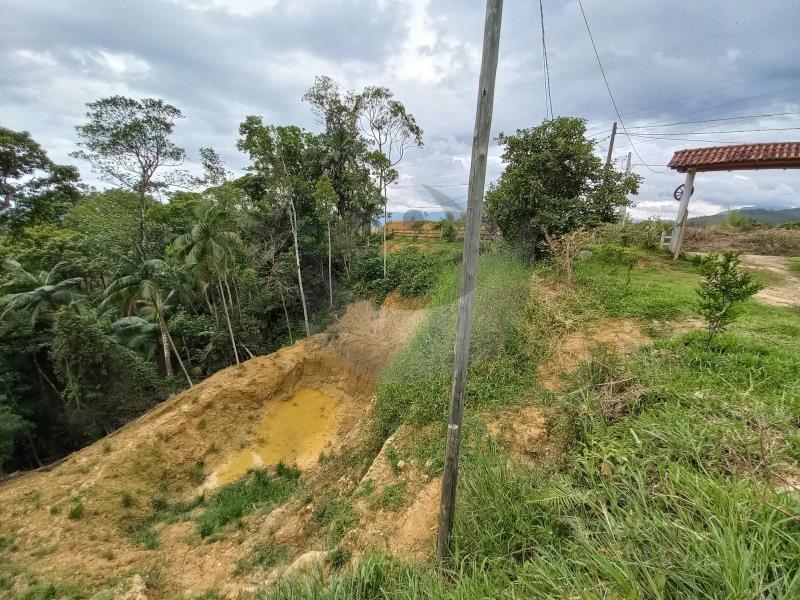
<point x="416" y="386"/>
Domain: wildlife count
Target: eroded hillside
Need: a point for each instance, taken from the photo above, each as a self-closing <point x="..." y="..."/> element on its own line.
<point x="90" y="519"/>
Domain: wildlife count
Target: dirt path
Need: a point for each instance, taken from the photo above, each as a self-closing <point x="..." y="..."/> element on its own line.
<point x="193" y="442"/>
<point x="785" y="292"/>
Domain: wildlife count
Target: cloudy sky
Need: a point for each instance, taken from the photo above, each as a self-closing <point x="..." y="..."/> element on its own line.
<point x="219" y="60"/>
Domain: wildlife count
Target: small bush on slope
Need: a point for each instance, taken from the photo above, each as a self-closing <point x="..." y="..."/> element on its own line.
<point x="410" y="270"/>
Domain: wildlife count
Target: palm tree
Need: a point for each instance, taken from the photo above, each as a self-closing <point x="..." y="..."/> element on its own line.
<point x="138" y="334"/>
<point x="212" y="246"/>
<point x="42" y="292"/>
<point x="142" y="292"/>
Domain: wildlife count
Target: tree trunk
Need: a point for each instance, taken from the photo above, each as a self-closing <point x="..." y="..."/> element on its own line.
<point x="238" y="298"/>
<point x="293" y="220"/>
<point x="330" y="276"/>
<point x="212" y="308"/>
<point x="385" y="224"/>
<point x="286" y="314"/>
<point x="141" y="217"/>
<point x="165" y="342"/>
<point x="230" y="297"/>
<point x="228" y="320"/>
<point x="178" y="356"/>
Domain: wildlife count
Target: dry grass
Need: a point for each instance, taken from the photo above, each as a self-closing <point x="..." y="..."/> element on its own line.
<point x="774" y="242"/>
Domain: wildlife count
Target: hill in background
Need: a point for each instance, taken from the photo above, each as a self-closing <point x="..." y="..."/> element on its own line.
<point x="762" y="215"/>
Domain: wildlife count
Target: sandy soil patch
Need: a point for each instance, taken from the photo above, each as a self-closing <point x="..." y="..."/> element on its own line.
<point x="784" y="292"/>
<point x="621" y="336"/>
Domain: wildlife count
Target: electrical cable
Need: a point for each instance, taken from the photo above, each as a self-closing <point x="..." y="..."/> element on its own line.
<point x="548" y="99"/>
<point x="608" y="87"/>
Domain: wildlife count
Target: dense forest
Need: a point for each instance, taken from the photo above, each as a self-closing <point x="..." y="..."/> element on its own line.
<point x="113" y="299"/>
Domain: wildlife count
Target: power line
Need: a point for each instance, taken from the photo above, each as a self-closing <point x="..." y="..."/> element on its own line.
<point x="608" y="87"/>
<point x="711" y="91"/>
<point x="645" y="134"/>
<point x="743" y="117"/>
<point x="548" y="100"/>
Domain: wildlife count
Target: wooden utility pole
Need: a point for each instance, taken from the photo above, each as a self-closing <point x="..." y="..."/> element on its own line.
<point x="623" y="213"/>
<point x="683" y="213"/>
<point x="611" y="143"/>
<point x="469" y="268"/>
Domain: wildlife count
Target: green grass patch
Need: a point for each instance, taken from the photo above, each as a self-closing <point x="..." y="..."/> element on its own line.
<point x="794" y="265"/>
<point x="634" y="283"/>
<point x="263" y="556"/>
<point x="391" y="497"/>
<point x="76" y="509"/>
<point x="259" y="490"/>
<point x="338" y="514"/>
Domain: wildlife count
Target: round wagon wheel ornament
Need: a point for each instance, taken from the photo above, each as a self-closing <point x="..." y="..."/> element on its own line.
<point x="678" y="193"/>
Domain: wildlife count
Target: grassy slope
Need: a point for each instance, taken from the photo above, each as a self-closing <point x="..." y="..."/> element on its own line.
<point x="667" y="490"/>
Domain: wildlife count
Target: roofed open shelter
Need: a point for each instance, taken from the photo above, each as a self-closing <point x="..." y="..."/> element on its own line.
<point x="741" y="157"/>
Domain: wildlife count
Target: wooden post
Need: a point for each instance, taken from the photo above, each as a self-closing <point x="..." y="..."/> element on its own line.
<point x="469" y="268"/>
<point x="683" y="212"/>
<point x="611" y="143"/>
<point x="623" y="214"/>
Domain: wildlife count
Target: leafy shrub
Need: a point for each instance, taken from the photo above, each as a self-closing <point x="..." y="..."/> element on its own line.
<point x="448" y="231"/>
<point x="410" y="270"/>
<point x="76" y="509"/>
<point x="723" y="288"/>
<point x="338" y="557"/>
<point x="644" y="234"/>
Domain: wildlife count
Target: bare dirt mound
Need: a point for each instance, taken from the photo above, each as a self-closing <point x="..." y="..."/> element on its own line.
<point x="399" y="505"/>
<point x="291" y="405"/>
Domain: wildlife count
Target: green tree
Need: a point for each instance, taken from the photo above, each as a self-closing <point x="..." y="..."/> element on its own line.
<point x="40" y="293"/>
<point x="128" y="141"/>
<point x="33" y="189"/>
<point x="106" y="384"/>
<point x="108" y="223"/>
<point x="211" y="245"/>
<point x="326" y="201"/>
<point x="281" y="156"/>
<point x="142" y="291"/>
<point x="723" y="289"/>
<point x="553" y="184"/>
<point x="391" y="131"/>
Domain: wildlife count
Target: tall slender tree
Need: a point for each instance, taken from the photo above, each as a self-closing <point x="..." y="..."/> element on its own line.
<point x="128" y="142"/>
<point x="212" y="245"/>
<point x="326" y="199"/>
<point x="391" y="130"/>
<point x="282" y="158"/>
<point x="142" y="292"/>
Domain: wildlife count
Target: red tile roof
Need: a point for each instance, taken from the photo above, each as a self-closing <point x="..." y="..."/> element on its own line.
<point x="780" y="155"/>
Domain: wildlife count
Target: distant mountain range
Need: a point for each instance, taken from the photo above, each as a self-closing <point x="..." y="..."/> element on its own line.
<point x="762" y="215"/>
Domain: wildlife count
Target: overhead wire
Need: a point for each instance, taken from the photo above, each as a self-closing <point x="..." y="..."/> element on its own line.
<point x="608" y="87"/>
<point x="689" y="97"/>
<point x="548" y="99"/>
